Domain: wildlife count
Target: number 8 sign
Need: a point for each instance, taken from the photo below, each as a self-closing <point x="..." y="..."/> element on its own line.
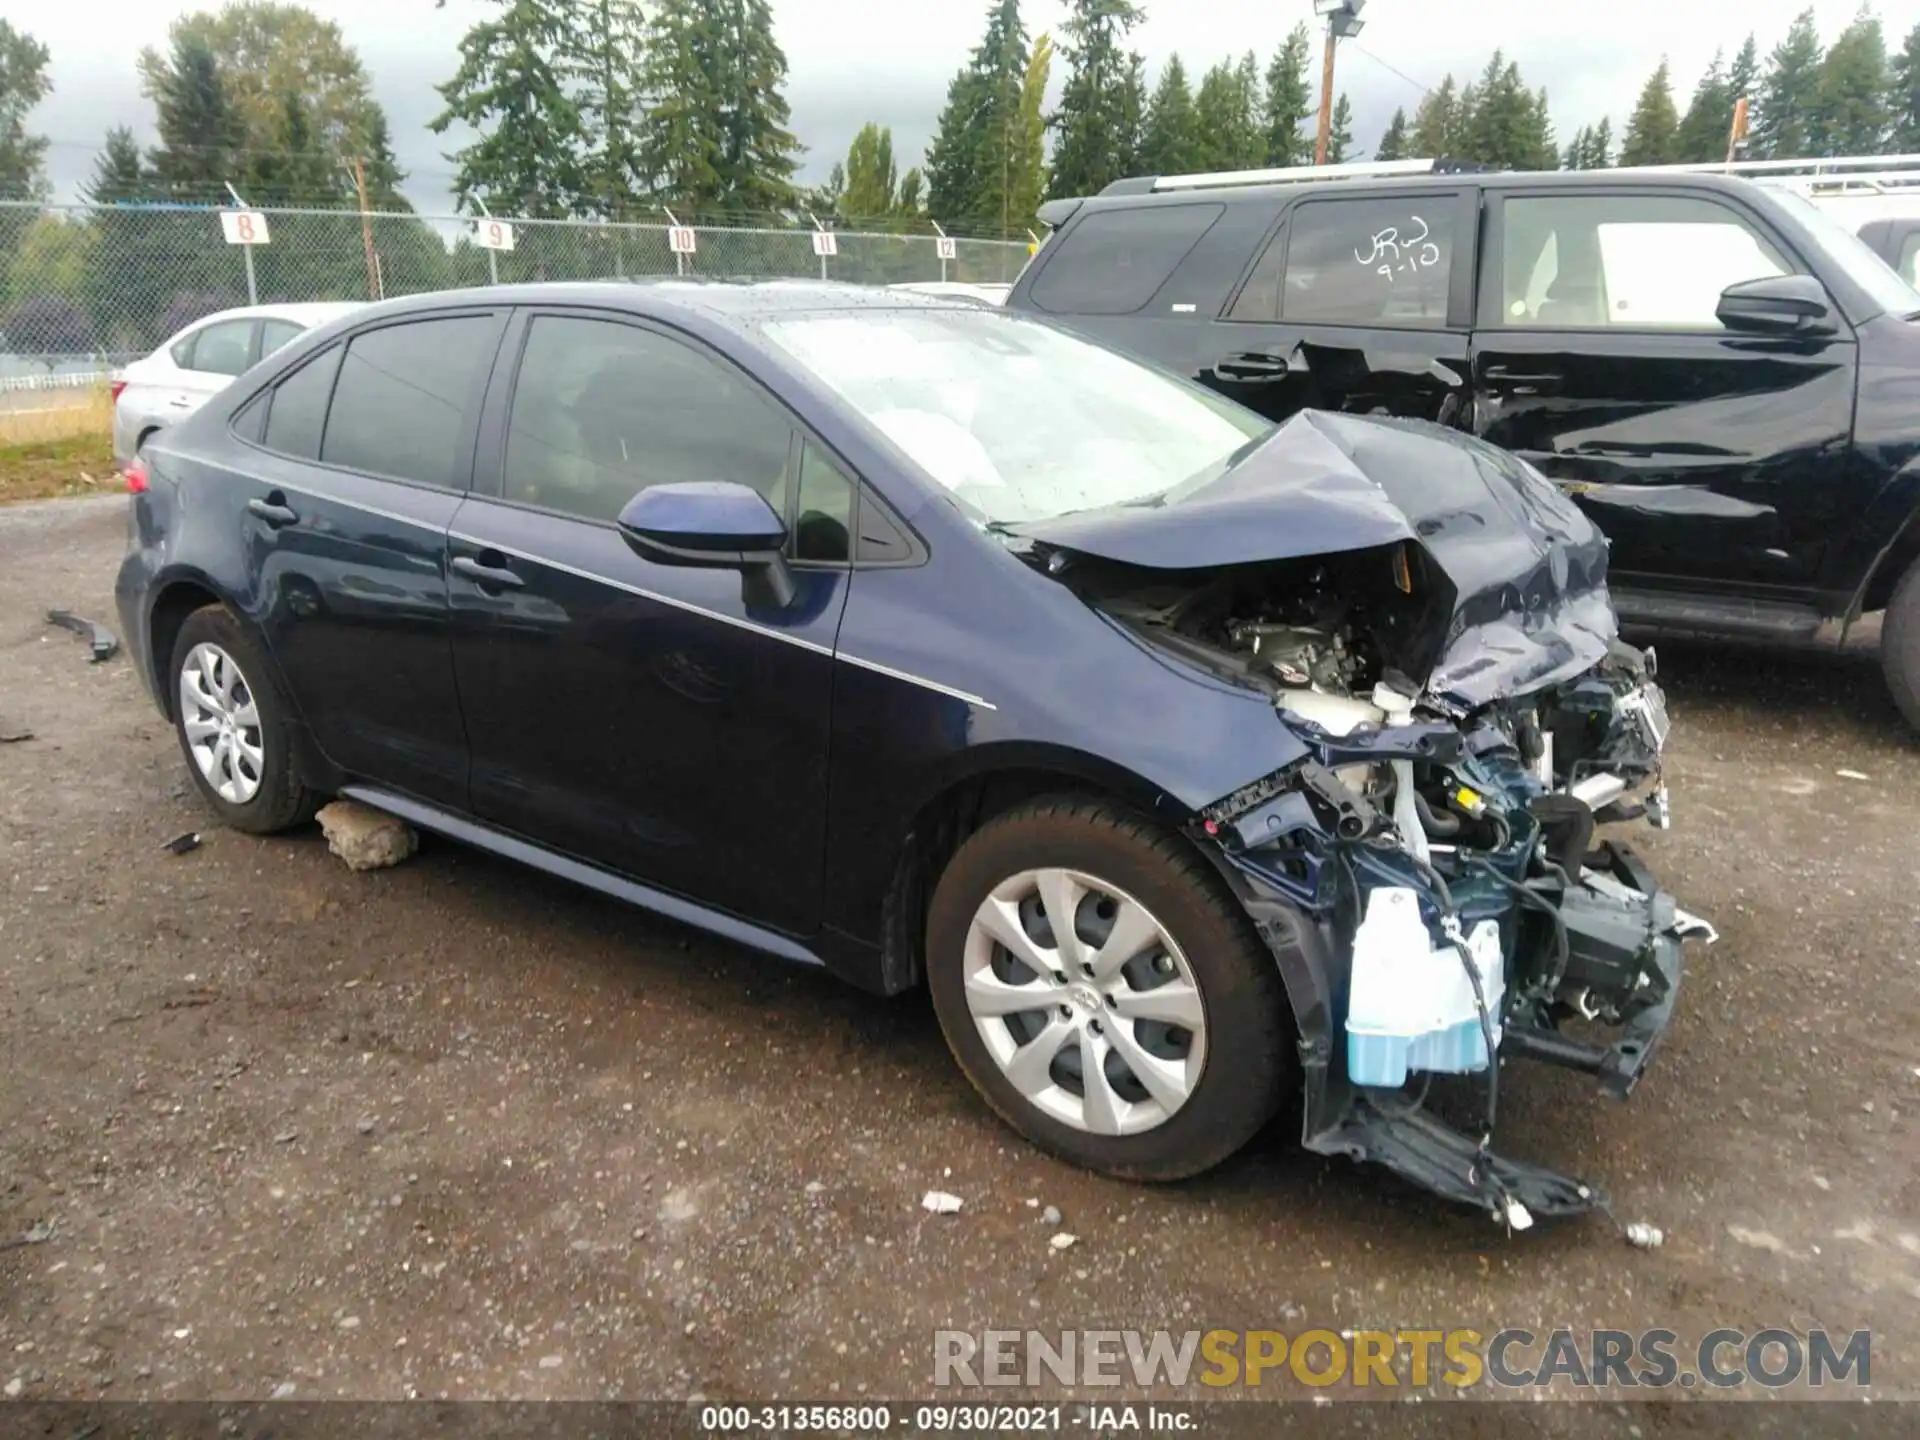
<point x="243" y="227"/>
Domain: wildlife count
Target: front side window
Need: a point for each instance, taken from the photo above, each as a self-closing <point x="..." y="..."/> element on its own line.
<point x="1657" y="262"/>
<point x="1383" y="260"/>
<point x="400" y="406"/>
<point x="603" y="410"/>
<point x="221" y="349"/>
<point x="1018" y="420"/>
<point x="1115" y="261"/>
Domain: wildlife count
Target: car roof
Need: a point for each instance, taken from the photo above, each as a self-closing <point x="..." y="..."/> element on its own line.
<point x="306" y="313"/>
<point x="1494" y="180"/>
<point x="736" y="304"/>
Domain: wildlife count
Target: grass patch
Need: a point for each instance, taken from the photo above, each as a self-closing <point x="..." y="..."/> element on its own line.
<point x="58" y="444"/>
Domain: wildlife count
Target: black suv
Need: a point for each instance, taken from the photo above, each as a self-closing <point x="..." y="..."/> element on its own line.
<point x="1722" y="376"/>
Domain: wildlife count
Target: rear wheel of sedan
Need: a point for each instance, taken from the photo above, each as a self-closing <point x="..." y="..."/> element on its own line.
<point x="1900" y="645"/>
<point x="1103" y="990"/>
<point x="235" y="726"/>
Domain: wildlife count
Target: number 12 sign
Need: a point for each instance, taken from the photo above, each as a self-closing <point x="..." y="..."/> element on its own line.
<point x="491" y="234"/>
<point x="243" y="227"/>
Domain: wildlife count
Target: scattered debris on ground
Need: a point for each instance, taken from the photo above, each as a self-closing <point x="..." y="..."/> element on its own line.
<point x="941" y="1203"/>
<point x="1062" y="1240"/>
<point x="181" y="844"/>
<point x="366" y="838"/>
<point x="1643" y="1236"/>
<point x="104" y="642"/>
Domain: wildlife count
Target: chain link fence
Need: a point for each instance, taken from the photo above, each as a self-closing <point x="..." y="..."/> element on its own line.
<point x="90" y="286"/>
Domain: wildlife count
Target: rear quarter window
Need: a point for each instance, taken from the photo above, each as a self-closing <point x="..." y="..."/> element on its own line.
<point x="1115" y="261"/>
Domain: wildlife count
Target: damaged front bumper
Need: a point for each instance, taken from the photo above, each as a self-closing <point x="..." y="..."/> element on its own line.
<point x="1417" y="944"/>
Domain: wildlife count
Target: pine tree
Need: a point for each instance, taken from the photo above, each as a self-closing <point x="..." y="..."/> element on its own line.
<point x="1743" y="78"/>
<point x="1789" y="94"/>
<point x="511" y="87"/>
<point x="1340" y="132"/>
<point x="1850" y="104"/>
<point x="1903" y="97"/>
<point x="119" y="174"/>
<point x="1505" y="124"/>
<point x="374" y="146"/>
<point x="1029" y="184"/>
<point x="1289" y="101"/>
<point x="1168" y="144"/>
<point x="1226" y="121"/>
<point x="1393" y="142"/>
<point x="1703" y="131"/>
<point x="1542" y="153"/>
<point x="716" y="140"/>
<point x="1574" y="157"/>
<point x="971" y="165"/>
<point x="1600" y="152"/>
<point x="911" y="202"/>
<point x="297" y="170"/>
<point x="201" y="134"/>
<point x="1436" y="123"/>
<point x="1653" y="132"/>
<point x="23" y="85"/>
<point x="601" y="60"/>
<point x="1095" y="145"/>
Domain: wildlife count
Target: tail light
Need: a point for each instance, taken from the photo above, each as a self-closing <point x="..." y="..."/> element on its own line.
<point x="136" y="473"/>
<point x="114" y="387"/>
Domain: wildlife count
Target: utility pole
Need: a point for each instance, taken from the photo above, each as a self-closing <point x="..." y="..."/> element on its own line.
<point x="1343" y="20"/>
<point x="366" y="228"/>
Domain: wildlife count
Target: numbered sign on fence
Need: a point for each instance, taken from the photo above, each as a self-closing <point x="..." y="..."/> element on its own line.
<point x="824" y="245"/>
<point x="945" y="248"/>
<point x="491" y="234"/>
<point x="682" y="240"/>
<point x="243" y="227"/>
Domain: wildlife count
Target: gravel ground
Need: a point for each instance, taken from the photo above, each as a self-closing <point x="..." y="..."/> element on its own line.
<point x="458" y="1130"/>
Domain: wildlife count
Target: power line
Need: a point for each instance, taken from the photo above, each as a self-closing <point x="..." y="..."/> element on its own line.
<point x="1423" y="89"/>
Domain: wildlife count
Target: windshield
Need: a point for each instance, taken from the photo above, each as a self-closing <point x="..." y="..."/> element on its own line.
<point x="1853" y="255"/>
<point x="1017" y="419"/>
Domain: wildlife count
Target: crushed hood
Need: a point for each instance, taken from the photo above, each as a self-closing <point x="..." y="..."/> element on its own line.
<point x="1523" y="571"/>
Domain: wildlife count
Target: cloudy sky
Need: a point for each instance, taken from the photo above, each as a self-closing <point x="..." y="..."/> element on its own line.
<point x="890" y="60"/>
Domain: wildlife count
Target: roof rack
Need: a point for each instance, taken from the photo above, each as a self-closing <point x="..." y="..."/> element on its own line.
<point x="1292" y="175"/>
<point x="1822" y="175"/>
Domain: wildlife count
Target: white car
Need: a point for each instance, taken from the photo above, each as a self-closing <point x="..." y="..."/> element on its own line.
<point x="198" y="363"/>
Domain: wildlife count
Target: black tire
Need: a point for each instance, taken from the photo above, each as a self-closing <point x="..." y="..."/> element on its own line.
<point x="1900" y="645"/>
<point x="1249" y="1032"/>
<point x="282" y="800"/>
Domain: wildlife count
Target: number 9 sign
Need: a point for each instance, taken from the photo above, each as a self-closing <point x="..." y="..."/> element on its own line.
<point x="491" y="234"/>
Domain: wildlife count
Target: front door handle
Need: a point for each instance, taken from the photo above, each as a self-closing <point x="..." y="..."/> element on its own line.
<point x="274" y="510"/>
<point x="1250" y="367"/>
<point x="488" y="576"/>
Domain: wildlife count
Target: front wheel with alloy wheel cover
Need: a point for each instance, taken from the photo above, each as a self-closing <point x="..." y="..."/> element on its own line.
<point x="1900" y="645"/>
<point x="234" y="725"/>
<point x="1103" y="990"/>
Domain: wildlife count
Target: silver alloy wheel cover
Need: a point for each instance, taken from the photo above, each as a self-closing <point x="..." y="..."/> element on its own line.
<point x="1098" y="1013"/>
<point x="221" y="720"/>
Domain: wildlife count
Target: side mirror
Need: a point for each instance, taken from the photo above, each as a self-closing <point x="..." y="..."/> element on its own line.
<point x="715" y="525"/>
<point x="1777" y="305"/>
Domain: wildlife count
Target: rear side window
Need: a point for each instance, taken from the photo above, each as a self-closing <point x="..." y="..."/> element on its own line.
<point x="274" y="334"/>
<point x="221" y="349"/>
<point x="1115" y="261"/>
<point x="1385" y="260"/>
<point x="300" y="407"/>
<point x="400" y="407"/>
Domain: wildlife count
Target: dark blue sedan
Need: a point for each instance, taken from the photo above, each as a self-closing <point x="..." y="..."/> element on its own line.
<point x="1198" y="767"/>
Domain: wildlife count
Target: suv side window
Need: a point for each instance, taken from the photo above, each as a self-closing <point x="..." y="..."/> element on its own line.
<point x="400" y="405"/>
<point x="1114" y="261"/>
<point x="602" y="410"/>
<point x="219" y="349"/>
<point x="1571" y="262"/>
<point x="1372" y="260"/>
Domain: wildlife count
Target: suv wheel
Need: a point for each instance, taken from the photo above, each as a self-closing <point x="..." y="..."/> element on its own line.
<point x="1900" y="645"/>
<point x="234" y="726"/>
<point x="1104" y="991"/>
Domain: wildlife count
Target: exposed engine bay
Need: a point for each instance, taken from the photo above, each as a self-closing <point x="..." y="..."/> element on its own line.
<point x="1445" y="850"/>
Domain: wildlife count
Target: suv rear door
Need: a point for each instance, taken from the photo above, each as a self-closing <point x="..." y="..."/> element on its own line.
<point x="1356" y="302"/>
<point x="1714" y="461"/>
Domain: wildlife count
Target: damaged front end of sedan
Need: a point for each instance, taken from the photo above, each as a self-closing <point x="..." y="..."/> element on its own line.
<point x="1431" y="622"/>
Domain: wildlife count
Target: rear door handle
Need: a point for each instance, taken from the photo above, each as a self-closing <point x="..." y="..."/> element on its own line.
<point x="274" y="510"/>
<point x="494" y="576"/>
<point x="1522" y="382"/>
<point x="1249" y="367"/>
